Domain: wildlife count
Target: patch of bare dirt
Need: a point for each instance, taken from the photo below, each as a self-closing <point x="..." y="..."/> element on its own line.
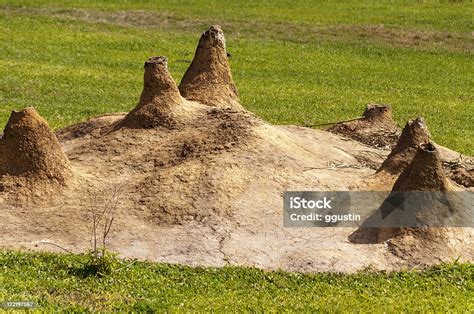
<point x="409" y="38"/>
<point x="460" y="171"/>
<point x="89" y="127"/>
<point x="301" y="33"/>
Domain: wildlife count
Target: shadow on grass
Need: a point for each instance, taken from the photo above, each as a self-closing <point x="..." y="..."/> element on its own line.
<point x="95" y="265"/>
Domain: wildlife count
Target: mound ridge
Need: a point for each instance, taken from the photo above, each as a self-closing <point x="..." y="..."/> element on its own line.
<point x="375" y="128"/>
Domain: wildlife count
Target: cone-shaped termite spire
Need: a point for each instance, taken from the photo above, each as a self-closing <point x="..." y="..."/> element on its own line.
<point x="421" y="198"/>
<point x="30" y="148"/>
<point x="159" y="97"/>
<point x="413" y="135"/>
<point x="376" y="127"/>
<point x="424" y="173"/>
<point x="208" y="79"/>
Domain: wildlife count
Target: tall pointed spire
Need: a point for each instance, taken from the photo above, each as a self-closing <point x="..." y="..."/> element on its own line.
<point x="208" y="79"/>
<point x="159" y="97"/>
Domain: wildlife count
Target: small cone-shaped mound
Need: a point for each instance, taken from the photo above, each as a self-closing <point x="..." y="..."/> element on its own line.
<point x="424" y="173"/>
<point x="30" y="148"/>
<point x="208" y="79"/>
<point x="416" y="207"/>
<point x="413" y="135"/>
<point x="375" y="128"/>
<point x="159" y="97"/>
<point x="375" y="112"/>
<point x="421" y="196"/>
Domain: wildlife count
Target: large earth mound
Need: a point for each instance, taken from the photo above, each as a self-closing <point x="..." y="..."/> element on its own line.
<point x="200" y="180"/>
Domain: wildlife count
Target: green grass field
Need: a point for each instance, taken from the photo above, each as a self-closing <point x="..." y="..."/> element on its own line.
<point x="53" y="282"/>
<point x="294" y="62"/>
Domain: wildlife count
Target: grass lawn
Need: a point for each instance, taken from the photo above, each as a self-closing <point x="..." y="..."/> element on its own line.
<point x="53" y="282"/>
<point x="294" y="62"/>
